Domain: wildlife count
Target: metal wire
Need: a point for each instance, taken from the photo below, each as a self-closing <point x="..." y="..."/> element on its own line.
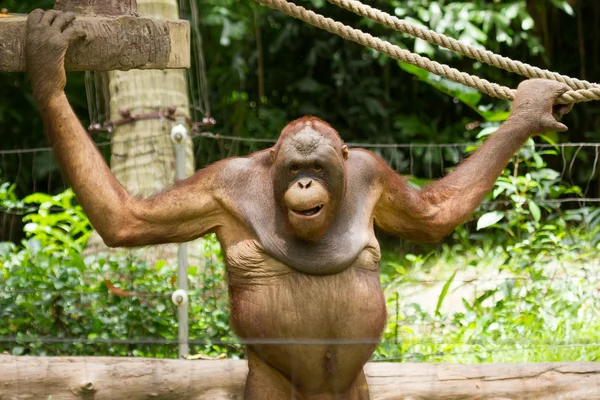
<point x="273" y="140"/>
<point x="226" y="145"/>
<point x="442" y="353"/>
<point x="405" y="280"/>
<point x="303" y="342"/>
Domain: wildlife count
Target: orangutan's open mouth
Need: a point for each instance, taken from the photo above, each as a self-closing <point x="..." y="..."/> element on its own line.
<point x="310" y="212"/>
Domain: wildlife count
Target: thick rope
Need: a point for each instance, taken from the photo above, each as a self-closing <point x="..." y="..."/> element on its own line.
<point x="390" y="49"/>
<point x="482" y="55"/>
<point x="367" y="40"/>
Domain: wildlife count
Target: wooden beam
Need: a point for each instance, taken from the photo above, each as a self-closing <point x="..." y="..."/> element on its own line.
<point x="104" y="378"/>
<point x="112" y="43"/>
<point x="97" y="7"/>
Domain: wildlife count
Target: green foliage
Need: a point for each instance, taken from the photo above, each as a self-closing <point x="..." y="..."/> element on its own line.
<point x="209" y="304"/>
<point x="363" y="93"/>
<point x="524" y="277"/>
<point x="487" y="23"/>
<point x="444" y="293"/>
<point x="48" y="290"/>
<point x="8" y="198"/>
<point x="467" y="95"/>
<point x="58" y="222"/>
<point x="532" y="221"/>
<point x="564" y="5"/>
<point x="542" y="309"/>
<point x="538" y="304"/>
<point x="546" y="312"/>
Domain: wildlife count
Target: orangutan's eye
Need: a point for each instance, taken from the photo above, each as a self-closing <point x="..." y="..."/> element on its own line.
<point x="294" y="169"/>
<point x="317" y="168"/>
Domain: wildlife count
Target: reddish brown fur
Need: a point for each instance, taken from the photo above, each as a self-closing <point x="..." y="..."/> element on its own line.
<point x="315" y="123"/>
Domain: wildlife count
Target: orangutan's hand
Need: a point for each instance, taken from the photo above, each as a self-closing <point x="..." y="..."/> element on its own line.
<point x="535" y="108"/>
<point x="48" y="37"/>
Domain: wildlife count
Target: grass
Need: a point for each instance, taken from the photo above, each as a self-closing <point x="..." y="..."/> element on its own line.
<point x="458" y="305"/>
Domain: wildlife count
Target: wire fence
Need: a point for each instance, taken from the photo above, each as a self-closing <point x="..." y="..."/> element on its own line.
<point x="414" y="335"/>
<point x="577" y="161"/>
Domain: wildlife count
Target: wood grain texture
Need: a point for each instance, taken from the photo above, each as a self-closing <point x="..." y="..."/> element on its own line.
<point x="97" y="7"/>
<point x="142" y="157"/>
<point x="104" y="378"/>
<point x="112" y="43"/>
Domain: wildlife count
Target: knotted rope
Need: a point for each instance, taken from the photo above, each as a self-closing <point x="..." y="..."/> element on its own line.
<point x="584" y="91"/>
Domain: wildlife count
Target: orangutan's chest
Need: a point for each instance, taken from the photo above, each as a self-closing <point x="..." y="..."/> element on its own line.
<point x="264" y="290"/>
<point x="305" y="306"/>
<point x="249" y="263"/>
<point x="324" y="323"/>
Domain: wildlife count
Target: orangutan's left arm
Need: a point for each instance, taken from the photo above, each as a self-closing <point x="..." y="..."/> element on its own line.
<point x="433" y="212"/>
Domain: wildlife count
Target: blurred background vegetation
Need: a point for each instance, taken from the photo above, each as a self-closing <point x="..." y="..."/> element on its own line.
<point x="519" y="282"/>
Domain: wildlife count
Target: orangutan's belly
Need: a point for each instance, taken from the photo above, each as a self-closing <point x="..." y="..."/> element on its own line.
<point x="322" y="329"/>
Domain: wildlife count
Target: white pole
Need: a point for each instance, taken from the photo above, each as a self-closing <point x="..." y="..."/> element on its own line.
<point x="179" y="134"/>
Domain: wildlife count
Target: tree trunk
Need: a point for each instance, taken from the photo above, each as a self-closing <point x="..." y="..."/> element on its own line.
<point x="106" y="378"/>
<point x="142" y="158"/>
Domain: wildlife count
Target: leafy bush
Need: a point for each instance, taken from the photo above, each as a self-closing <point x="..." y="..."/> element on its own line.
<point x="546" y="313"/>
<point x="524" y="271"/>
<point x="50" y="294"/>
<point x="539" y="306"/>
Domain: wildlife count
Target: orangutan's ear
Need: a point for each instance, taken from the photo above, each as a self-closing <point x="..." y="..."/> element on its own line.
<point x="272" y="154"/>
<point x="345" y="152"/>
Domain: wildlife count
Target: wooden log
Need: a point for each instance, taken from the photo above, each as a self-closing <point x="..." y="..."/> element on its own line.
<point x="97" y="7"/>
<point x="104" y="378"/>
<point x="113" y="43"/>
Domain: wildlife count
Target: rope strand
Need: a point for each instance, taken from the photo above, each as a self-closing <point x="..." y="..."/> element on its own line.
<point x="492" y="89"/>
<point x="390" y="49"/>
<point x="482" y="55"/>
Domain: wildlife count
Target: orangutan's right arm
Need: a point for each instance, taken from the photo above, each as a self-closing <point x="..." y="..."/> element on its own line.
<point x="185" y="212"/>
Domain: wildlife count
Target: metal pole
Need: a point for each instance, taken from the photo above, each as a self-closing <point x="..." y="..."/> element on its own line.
<point x="179" y="136"/>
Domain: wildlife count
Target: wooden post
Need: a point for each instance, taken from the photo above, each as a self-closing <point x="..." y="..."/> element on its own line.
<point x="116" y="39"/>
<point x="97" y="7"/>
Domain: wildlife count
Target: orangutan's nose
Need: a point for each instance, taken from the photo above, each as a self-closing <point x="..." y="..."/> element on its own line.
<point x="304" y="183"/>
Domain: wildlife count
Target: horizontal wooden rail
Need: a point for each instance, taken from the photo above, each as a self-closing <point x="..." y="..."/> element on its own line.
<point x="104" y="378"/>
<point x="112" y="43"/>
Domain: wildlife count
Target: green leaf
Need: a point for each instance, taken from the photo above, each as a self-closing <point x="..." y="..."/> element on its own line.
<point x="534" y="209"/>
<point x="564" y="5"/>
<point x="489" y="219"/>
<point x="160" y="264"/>
<point x="539" y="162"/>
<point x="527" y="23"/>
<point x="487" y="131"/>
<point x="475" y="32"/>
<point x="444" y="293"/>
<point x="38" y="198"/>
<point x="422" y="47"/>
<point x="466" y="94"/>
<point x="483" y="297"/>
<point x="375" y="107"/>
<point x="497" y="191"/>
